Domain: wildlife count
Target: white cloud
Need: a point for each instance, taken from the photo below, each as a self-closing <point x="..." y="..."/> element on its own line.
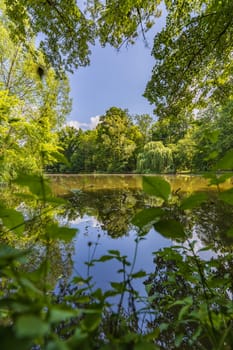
<point x="94" y="121"/>
<point x="77" y="125"/>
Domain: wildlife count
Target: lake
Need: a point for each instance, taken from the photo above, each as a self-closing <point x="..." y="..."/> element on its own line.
<point x="105" y="260"/>
<point x="101" y="208"/>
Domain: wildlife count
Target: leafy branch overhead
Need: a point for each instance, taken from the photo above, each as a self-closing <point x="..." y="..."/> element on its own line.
<point x="66" y="30"/>
<point x="193" y="57"/>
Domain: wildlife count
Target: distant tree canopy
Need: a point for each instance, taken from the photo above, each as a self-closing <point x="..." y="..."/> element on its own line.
<point x="155" y="158"/>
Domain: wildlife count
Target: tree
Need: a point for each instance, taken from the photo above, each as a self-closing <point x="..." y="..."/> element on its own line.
<point x="184" y="152"/>
<point x="170" y="129"/>
<point x="32" y="108"/>
<point x="144" y="123"/>
<point x="84" y="156"/>
<point x="193" y="57"/>
<point x="116" y="141"/>
<point x="155" y="158"/>
<point x="224" y="125"/>
<point x="68" y="30"/>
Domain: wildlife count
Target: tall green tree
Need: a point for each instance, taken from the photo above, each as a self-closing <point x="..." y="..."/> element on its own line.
<point x="116" y="140"/>
<point x="144" y="123"/>
<point x="85" y="155"/>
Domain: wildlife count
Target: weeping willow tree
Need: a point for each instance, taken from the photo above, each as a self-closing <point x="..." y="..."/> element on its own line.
<point x="155" y="158"/>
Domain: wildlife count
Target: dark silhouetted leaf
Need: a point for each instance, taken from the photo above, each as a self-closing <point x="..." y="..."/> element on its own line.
<point x="170" y="229"/>
<point x="139" y="274"/>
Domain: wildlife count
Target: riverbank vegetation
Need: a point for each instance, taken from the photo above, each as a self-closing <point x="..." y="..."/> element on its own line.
<point x="122" y="143"/>
<point x="187" y="302"/>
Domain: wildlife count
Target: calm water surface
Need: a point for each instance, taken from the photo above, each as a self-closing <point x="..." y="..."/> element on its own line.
<point x="101" y="207"/>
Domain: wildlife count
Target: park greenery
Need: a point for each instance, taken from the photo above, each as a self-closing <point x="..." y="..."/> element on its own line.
<point x="188" y="302"/>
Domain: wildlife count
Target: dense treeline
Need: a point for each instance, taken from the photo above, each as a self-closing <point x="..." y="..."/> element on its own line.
<point x="124" y="143"/>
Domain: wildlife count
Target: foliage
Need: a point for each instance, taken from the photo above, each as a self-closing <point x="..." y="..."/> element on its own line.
<point x="116" y="140"/>
<point x="68" y="29"/>
<point x="193" y="57"/>
<point x="155" y="158"/>
<point x="31" y="109"/>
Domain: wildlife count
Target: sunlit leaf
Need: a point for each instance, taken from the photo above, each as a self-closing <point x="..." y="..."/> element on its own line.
<point x="193" y="201"/>
<point x="170" y="229"/>
<point x="64" y="233"/>
<point x="12" y="219"/>
<point x="37" y="185"/>
<point x="147" y="216"/>
<point x="217" y="180"/>
<point x="156" y="186"/>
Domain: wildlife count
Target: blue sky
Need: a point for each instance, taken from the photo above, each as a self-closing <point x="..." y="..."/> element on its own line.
<point x="113" y="79"/>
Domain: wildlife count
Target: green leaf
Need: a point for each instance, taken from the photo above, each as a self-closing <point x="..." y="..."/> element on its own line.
<point x="156" y="186"/>
<point x="37" y="185"/>
<point x="58" y="314"/>
<point x="104" y="258"/>
<point x="230" y="232"/>
<point x="117" y="286"/>
<point x="216" y="180"/>
<point x="8" y="253"/>
<point x="193" y="201"/>
<point x="139" y="274"/>
<point x="63" y="233"/>
<point x="227" y="196"/>
<point x="145" y="346"/>
<point x="12" y="219"/>
<point x="91" y="322"/>
<point x="170" y="229"/>
<point x="114" y="252"/>
<point x="57" y="345"/>
<point x="178" y="340"/>
<point x="226" y="163"/>
<point x="147" y="216"/>
<point x="31" y="326"/>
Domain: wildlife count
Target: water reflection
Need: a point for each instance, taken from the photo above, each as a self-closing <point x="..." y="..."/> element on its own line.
<point x="103" y="218"/>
